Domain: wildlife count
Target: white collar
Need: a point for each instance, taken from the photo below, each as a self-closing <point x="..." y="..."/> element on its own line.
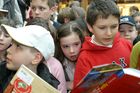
<point x="94" y="42"/>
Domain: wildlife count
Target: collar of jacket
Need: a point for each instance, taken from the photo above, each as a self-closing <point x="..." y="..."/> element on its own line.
<point x="43" y="72"/>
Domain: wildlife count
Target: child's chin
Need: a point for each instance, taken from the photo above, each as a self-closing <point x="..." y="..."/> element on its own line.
<point x="10" y="67"/>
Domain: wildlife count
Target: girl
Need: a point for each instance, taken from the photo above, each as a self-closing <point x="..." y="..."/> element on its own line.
<point x="70" y="38"/>
<point x="5" y="39"/>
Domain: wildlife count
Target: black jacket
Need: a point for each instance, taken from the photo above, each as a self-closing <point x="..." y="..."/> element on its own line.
<point x="42" y="71"/>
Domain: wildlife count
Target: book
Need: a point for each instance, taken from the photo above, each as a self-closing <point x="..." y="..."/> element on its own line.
<point x="26" y="81"/>
<point x="3" y="13"/>
<point x="110" y="78"/>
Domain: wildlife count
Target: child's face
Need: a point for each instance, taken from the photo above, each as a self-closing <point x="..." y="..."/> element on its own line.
<point x="137" y="20"/>
<point x="18" y="54"/>
<point x="105" y="30"/>
<point x="127" y="31"/>
<point x="40" y="8"/>
<point x="71" y="46"/>
<point x="5" y="40"/>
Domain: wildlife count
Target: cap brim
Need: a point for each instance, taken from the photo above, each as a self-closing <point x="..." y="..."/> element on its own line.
<point x="17" y="35"/>
<point x="127" y="23"/>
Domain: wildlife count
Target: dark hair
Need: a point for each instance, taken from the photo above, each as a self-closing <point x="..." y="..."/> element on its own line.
<point x="78" y="11"/>
<point x="74" y="3"/>
<point x="82" y="24"/>
<point x="133" y="8"/>
<point x="44" y="23"/>
<point x="66" y="13"/>
<point x="66" y="30"/>
<point x="101" y="8"/>
<point x="6" y="21"/>
<point x="136" y="14"/>
<point x="51" y="3"/>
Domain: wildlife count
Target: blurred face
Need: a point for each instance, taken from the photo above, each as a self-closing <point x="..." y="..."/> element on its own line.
<point x="71" y="46"/>
<point x="17" y="55"/>
<point x="127" y="31"/>
<point x="40" y="8"/>
<point x="137" y="20"/>
<point x="132" y="12"/>
<point x="105" y="30"/>
<point x="5" y="40"/>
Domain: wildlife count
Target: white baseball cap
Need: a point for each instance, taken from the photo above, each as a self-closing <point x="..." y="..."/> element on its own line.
<point x="33" y="36"/>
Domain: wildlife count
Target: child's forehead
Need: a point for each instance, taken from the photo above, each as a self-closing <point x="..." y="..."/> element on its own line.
<point x="127" y="25"/>
<point x="3" y="30"/>
<point x="40" y="1"/>
<point x="17" y="43"/>
<point x="106" y="18"/>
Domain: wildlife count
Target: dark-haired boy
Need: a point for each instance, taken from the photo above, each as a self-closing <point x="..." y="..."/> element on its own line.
<point x="105" y="46"/>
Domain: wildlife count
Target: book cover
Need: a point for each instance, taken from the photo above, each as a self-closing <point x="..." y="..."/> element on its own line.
<point x="26" y="81"/>
<point x="110" y="78"/>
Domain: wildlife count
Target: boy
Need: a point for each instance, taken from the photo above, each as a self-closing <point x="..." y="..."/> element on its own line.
<point x="29" y="48"/>
<point x="127" y="28"/>
<point x="5" y="39"/>
<point x="55" y="67"/>
<point x="42" y="8"/>
<point x="105" y="46"/>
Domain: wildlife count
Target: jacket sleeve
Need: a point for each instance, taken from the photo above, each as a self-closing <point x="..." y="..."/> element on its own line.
<point x="3" y="71"/>
<point x="135" y="54"/>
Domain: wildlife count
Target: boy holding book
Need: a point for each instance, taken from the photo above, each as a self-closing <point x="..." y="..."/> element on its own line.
<point x="105" y="46"/>
<point x="29" y="48"/>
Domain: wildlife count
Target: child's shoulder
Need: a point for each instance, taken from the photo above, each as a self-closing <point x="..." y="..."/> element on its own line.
<point x="53" y="61"/>
<point x="125" y="43"/>
<point x="137" y="46"/>
<point x="54" y="65"/>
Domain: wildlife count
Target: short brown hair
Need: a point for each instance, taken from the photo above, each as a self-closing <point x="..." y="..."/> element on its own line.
<point x="101" y="8"/>
<point x="51" y="3"/>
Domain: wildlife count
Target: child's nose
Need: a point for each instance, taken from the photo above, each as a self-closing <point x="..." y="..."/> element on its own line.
<point x="37" y="11"/>
<point x="108" y="32"/>
<point x="1" y="36"/>
<point x="71" y="49"/>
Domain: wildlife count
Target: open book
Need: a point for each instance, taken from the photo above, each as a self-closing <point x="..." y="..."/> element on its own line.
<point x="26" y="81"/>
<point x="110" y="78"/>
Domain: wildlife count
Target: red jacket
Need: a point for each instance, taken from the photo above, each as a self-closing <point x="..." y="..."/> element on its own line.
<point x="92" y="55"/>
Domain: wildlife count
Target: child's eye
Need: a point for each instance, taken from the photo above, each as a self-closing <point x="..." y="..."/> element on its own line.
<point x="76" y="44"/>
<point x="130" y="30"/>
<point x="65" y="46"/>
<point x="33" y="8"/>
<point x="18" y="45"/>
<point x="42" y="8"/>
<point x="102" y="27"/>
<point x="6" y="35"/>
<point x="121" y="31"/>
<point x="114" y="26"/>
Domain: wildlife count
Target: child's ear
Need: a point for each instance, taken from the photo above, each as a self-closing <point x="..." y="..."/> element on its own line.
<point x="38" y="57"/>
<point x="90" y="28"/>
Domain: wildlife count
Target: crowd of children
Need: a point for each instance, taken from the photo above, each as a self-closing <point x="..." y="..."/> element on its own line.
<point x="62" y="46"/>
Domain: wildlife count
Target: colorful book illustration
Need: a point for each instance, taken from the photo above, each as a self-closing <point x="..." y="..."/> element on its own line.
<point x="26" y="81"/>
<point x="110" y="78"/>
